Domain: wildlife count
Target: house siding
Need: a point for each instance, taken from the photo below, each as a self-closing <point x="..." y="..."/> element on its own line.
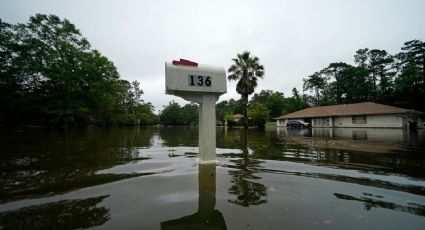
<point x="280" y="122"/>
<point x="357" y="115"/>
<point x="372" y="121"/>
<point x="322" y="122"/>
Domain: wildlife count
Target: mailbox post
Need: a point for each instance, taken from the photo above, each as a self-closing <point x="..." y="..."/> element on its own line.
<point x="202" y="84"/>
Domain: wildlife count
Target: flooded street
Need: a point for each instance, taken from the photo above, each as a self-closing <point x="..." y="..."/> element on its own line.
<point x="149" y="178"/>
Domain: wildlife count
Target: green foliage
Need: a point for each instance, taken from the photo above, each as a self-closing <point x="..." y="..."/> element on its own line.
<point x="190" y="114"/>
<point x="397" y="80"/>
<point x="222" y="109"/>
<point x="379" y="67"/>
<point x="296" y="102"/>
<point x="273" y="101"/>
<point x="225" y="108"/>
<point x="347" y="84"/>
<point x="409" y="85"/>
<point x="317" y="83"/>
<point x="259" y="114"/>
<point x="171" y="114"/>
<point x="174" y="114"/>
<point x="410" y="88"/>
<point x="49" y="75"/>
<point x="389" y="79"/>
<point x="231" y="122"/>
<point x="277" y="104"/>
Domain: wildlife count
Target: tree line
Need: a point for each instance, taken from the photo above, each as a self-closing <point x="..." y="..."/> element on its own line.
<point x="377" y="76"/>
<point x="263" y="106"/>
<point x="50" y="75"/>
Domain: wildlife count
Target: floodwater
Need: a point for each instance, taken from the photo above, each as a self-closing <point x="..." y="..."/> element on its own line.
<point x="149" y="178"/>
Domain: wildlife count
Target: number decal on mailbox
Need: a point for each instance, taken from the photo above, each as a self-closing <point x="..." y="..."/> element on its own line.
<point x="198" y="80"/>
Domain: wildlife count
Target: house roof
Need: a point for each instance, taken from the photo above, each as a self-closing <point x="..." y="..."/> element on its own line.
<point x="364" y="108"/>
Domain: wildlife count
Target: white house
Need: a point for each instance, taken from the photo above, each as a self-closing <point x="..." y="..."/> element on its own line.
<point x="237" y="117"/>
<point x="358" y="115"/>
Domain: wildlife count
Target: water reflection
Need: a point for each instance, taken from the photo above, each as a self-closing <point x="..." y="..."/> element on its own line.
<point x="371" y="202"/>
<point x="260" y="170"/>
<point x="179" y="136"/>
<point x="411" y="137"/>
<point x="247" y="191"/>
<point x="259" y="146"/>
<point x="371" y="134"/>
<point x="40" y="162"/>
<point x="360" y="178"/>
<point x="66" y="214"/>
<point x="381" y="151"/>
<point x="207" y="216"/>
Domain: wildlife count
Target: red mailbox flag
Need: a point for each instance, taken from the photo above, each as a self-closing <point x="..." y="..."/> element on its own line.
<point x="185" y="62"/>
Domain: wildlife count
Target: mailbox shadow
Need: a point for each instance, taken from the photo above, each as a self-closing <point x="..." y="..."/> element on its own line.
<point x="207" y="216"/>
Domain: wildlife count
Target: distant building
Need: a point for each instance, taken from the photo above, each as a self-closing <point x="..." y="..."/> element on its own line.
<point x="358" y="115"/>
<point x="237" y="117"/>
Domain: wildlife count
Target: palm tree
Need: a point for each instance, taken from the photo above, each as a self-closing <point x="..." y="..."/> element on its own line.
<point x="246" y="70"/>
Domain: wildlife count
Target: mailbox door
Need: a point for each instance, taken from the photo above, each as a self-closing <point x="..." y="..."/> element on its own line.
<point x="203" y="78"/>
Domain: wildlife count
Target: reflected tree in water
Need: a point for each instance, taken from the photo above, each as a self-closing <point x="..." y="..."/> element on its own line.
<point x="56" y="161"/>
<point x="66" y="214"/>
<point x="369" y="203"/>
<point x="247" y="192"/>
<point x="181" y="136"/>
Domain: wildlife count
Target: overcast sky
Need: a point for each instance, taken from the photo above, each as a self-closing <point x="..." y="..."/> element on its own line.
<point x="292" y="39"/>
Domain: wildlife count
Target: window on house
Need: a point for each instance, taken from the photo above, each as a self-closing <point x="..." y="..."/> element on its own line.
<point x="359" y="119"/>
<point x="322" y="121"/>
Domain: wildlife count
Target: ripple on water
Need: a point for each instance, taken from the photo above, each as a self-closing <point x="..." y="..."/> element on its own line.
<point x="165" y="160"/>
<point x="140" y="181"/>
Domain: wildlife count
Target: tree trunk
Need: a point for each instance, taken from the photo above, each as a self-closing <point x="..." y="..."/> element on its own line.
<point x="245" y="110"/>
<point x="317" y="97"/>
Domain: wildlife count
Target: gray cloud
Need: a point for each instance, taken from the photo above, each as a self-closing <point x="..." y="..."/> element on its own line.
<point x="293" y="39"/>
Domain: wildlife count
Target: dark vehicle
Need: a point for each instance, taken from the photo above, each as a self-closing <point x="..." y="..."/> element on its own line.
<point x="297" y="124"/>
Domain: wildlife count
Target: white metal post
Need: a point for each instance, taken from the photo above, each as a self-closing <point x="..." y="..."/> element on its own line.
<point x="207" y="136"/>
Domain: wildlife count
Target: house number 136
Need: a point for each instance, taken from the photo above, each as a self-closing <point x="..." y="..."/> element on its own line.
<point x="198" y="80"/>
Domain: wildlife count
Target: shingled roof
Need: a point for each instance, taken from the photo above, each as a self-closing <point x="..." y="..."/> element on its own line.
<point x="364" y="108"/>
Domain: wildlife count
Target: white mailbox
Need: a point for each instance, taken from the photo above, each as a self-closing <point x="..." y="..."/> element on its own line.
<point x="202" y="84"/>
<point x="184" y="77"/>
